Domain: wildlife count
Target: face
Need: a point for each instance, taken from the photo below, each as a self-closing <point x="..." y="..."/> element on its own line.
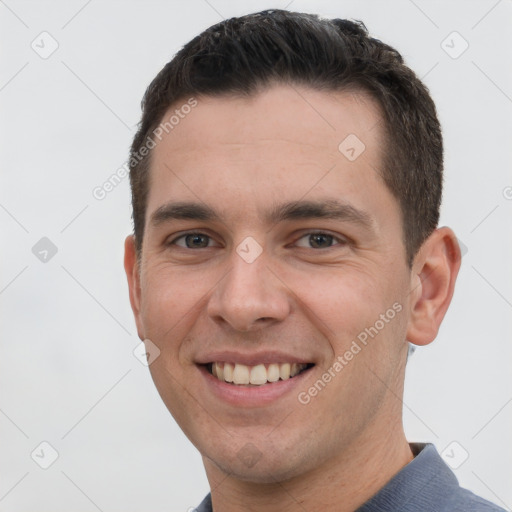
<point x="272" y="245"/>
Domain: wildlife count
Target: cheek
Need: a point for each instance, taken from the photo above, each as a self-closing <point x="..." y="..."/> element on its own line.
<point x="362" y="317"/>
<point x="169" y="298"/>
<point x="365" y="319"/>
<point x="345" y="300"/>
<point x="169" y="309"/>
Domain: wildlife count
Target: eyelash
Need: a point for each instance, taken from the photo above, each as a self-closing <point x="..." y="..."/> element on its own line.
<point x="341" y="241"/>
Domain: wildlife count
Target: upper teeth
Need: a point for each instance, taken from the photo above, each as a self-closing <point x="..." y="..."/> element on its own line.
<point x="258" y="375"/>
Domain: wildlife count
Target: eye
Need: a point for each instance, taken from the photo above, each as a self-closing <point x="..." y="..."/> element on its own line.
<point x="319" y="240"/>
<point x="192" y="241"/>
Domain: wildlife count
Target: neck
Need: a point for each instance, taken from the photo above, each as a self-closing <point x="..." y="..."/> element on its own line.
<point x="341" y="484"/>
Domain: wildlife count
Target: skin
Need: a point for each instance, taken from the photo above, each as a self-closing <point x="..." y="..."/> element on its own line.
<point x="241" y="156"/>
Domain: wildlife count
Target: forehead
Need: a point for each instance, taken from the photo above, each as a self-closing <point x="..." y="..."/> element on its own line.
<point x="283" y="140"/>
<point x="277" y="112"/>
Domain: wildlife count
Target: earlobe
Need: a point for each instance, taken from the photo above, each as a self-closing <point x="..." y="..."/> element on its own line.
<point x="434" y="273"/>
<point x="131" y="268"/>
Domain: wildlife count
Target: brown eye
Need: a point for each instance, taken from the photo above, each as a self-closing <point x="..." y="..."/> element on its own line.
<point x="318" y="241"/>
<point x="192" y="241"/>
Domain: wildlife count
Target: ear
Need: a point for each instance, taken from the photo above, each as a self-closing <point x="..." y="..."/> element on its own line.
<point x="434" y="272"/>
<point x="131" y="267"/>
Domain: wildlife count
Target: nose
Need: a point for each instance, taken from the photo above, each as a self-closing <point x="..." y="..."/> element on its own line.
<point x="249" y="297"/>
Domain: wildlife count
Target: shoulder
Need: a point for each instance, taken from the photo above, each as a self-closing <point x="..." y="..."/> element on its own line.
<point x="465" y="501"/>
<point x="205" y="506"/>
<point x="426" y="484"/>
<point x="445" y="489"/>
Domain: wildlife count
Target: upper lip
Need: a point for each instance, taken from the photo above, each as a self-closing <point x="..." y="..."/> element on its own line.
<point x="251" y="359"/>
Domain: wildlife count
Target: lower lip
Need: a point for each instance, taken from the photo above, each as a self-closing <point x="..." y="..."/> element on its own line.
<point x="251" y="396"/>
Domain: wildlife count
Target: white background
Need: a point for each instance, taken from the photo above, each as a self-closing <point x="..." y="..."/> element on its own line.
<point x="67" y="372"/>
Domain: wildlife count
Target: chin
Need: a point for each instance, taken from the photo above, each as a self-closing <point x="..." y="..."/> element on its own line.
<point x="261" y="473"/>
<point x="248" y="464"/>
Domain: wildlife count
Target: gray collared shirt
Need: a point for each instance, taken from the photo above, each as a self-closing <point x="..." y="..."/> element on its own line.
<point x="426" y="484"/>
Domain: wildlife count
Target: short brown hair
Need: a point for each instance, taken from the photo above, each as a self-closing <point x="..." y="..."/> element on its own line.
<point x="241" y="55"/>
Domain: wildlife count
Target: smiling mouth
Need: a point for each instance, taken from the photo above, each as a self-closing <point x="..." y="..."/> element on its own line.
<point x="258" y="375"/>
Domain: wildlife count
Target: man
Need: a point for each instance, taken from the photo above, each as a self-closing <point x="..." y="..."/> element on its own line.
<point x="286" y="180"/>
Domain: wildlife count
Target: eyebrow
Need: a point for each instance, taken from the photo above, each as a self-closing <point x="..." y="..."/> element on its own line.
<point x="294" y="210"/>
<point x="318" y="209"/>
<point x="183" y="211"/>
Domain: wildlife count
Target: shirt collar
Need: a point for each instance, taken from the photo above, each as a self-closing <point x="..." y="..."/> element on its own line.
<point x="417" y="486"/>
